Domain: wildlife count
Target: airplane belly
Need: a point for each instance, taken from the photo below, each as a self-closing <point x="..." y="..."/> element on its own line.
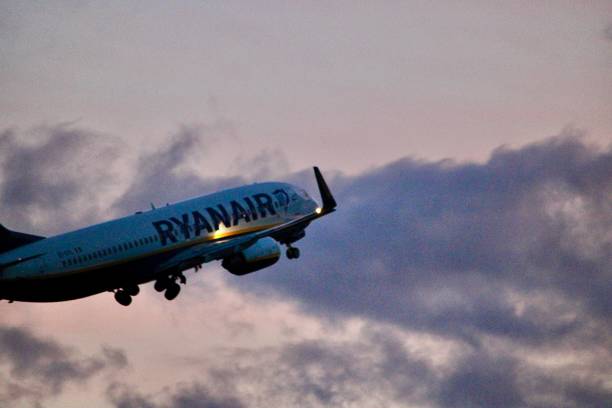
<point x="61" y="287"/>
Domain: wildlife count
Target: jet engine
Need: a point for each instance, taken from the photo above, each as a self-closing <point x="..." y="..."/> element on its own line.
<point x="261" y="254"/>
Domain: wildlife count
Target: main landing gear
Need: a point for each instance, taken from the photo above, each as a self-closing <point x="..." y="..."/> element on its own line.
<point x="124" y="295"/>
<point x="292" y="252"/>
<point x="168" y="285"/>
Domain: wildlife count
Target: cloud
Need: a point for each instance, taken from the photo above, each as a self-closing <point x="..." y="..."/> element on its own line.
<point x="161" y="174"/>
<point x="516" y="250"/>
<point x="184" y="396"/>
<point x="40" y="368"/>
<point x="50" y="177"/>
<point x="309" y="373"/>
<point x="482" y="381"/>
<point x="169" y="173"/>
<point x="451" y="248"/>
<point x="57" y="178"/>
<point x="509" y="261"/>
<point x="378" y="366"/>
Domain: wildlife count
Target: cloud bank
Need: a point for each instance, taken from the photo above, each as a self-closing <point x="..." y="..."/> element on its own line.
<point x="40" y="368"/>
<point x="506" y="266"/>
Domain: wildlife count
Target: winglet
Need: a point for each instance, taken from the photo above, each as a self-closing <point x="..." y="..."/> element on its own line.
<point x="329" y="203"/>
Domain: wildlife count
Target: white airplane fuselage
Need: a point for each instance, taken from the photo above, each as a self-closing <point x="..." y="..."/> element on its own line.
<point x="158" y="243"/>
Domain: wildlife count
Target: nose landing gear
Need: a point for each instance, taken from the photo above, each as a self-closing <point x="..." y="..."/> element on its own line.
<point x="292" y="252"/>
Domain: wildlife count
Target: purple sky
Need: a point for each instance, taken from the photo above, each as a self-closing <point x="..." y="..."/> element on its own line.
<point x="456" y="272"/>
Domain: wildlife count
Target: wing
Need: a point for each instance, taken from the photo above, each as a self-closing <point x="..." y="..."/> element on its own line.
<point x="13" y="239"/>
<point x="202" y="253"/>
<point x="18" y="261"/>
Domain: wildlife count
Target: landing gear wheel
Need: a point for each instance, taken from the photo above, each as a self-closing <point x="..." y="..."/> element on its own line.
<point x="172" y="291"/>
<point x="132" y="290"/>
<point x="161" y="284"/>
<point x="293" y="253"/>
<point x="123" y="298"/>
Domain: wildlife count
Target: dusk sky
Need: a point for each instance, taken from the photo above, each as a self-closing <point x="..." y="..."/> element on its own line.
<point x="469" y="146"/>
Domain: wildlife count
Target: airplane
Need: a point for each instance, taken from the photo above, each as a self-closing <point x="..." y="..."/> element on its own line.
<point x="242" y="227"/>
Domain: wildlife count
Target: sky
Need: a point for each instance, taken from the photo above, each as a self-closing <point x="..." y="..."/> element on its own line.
<point x="468" y="144"/>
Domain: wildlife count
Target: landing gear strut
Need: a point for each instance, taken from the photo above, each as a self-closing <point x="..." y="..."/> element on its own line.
<point x="132" y="290"/>
<point x="293" y="252"/>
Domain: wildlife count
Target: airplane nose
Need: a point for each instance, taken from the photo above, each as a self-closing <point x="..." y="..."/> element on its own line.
<point x="312" y="205"/>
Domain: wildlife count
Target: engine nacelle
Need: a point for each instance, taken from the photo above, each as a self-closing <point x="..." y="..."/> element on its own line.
<point x="263" y="253"/>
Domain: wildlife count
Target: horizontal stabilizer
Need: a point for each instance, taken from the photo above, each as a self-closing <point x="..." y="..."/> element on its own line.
<point x="13" y="239"/>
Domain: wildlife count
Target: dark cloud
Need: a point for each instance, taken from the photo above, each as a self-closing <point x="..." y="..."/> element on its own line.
<point x="375" y="368"/>
<point x="160" y="175"/>
<point x="192" y="396"/>
<point x="313" y="373"/>
<point x="39" y="368"/>
<point x="125" y="397"/>
<point x="516" y="250"/>
<point x="49" y="178"/>
<point x="444" y="247"/>
<point x="482" y="381"/>
<point x="52" y="179"/>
